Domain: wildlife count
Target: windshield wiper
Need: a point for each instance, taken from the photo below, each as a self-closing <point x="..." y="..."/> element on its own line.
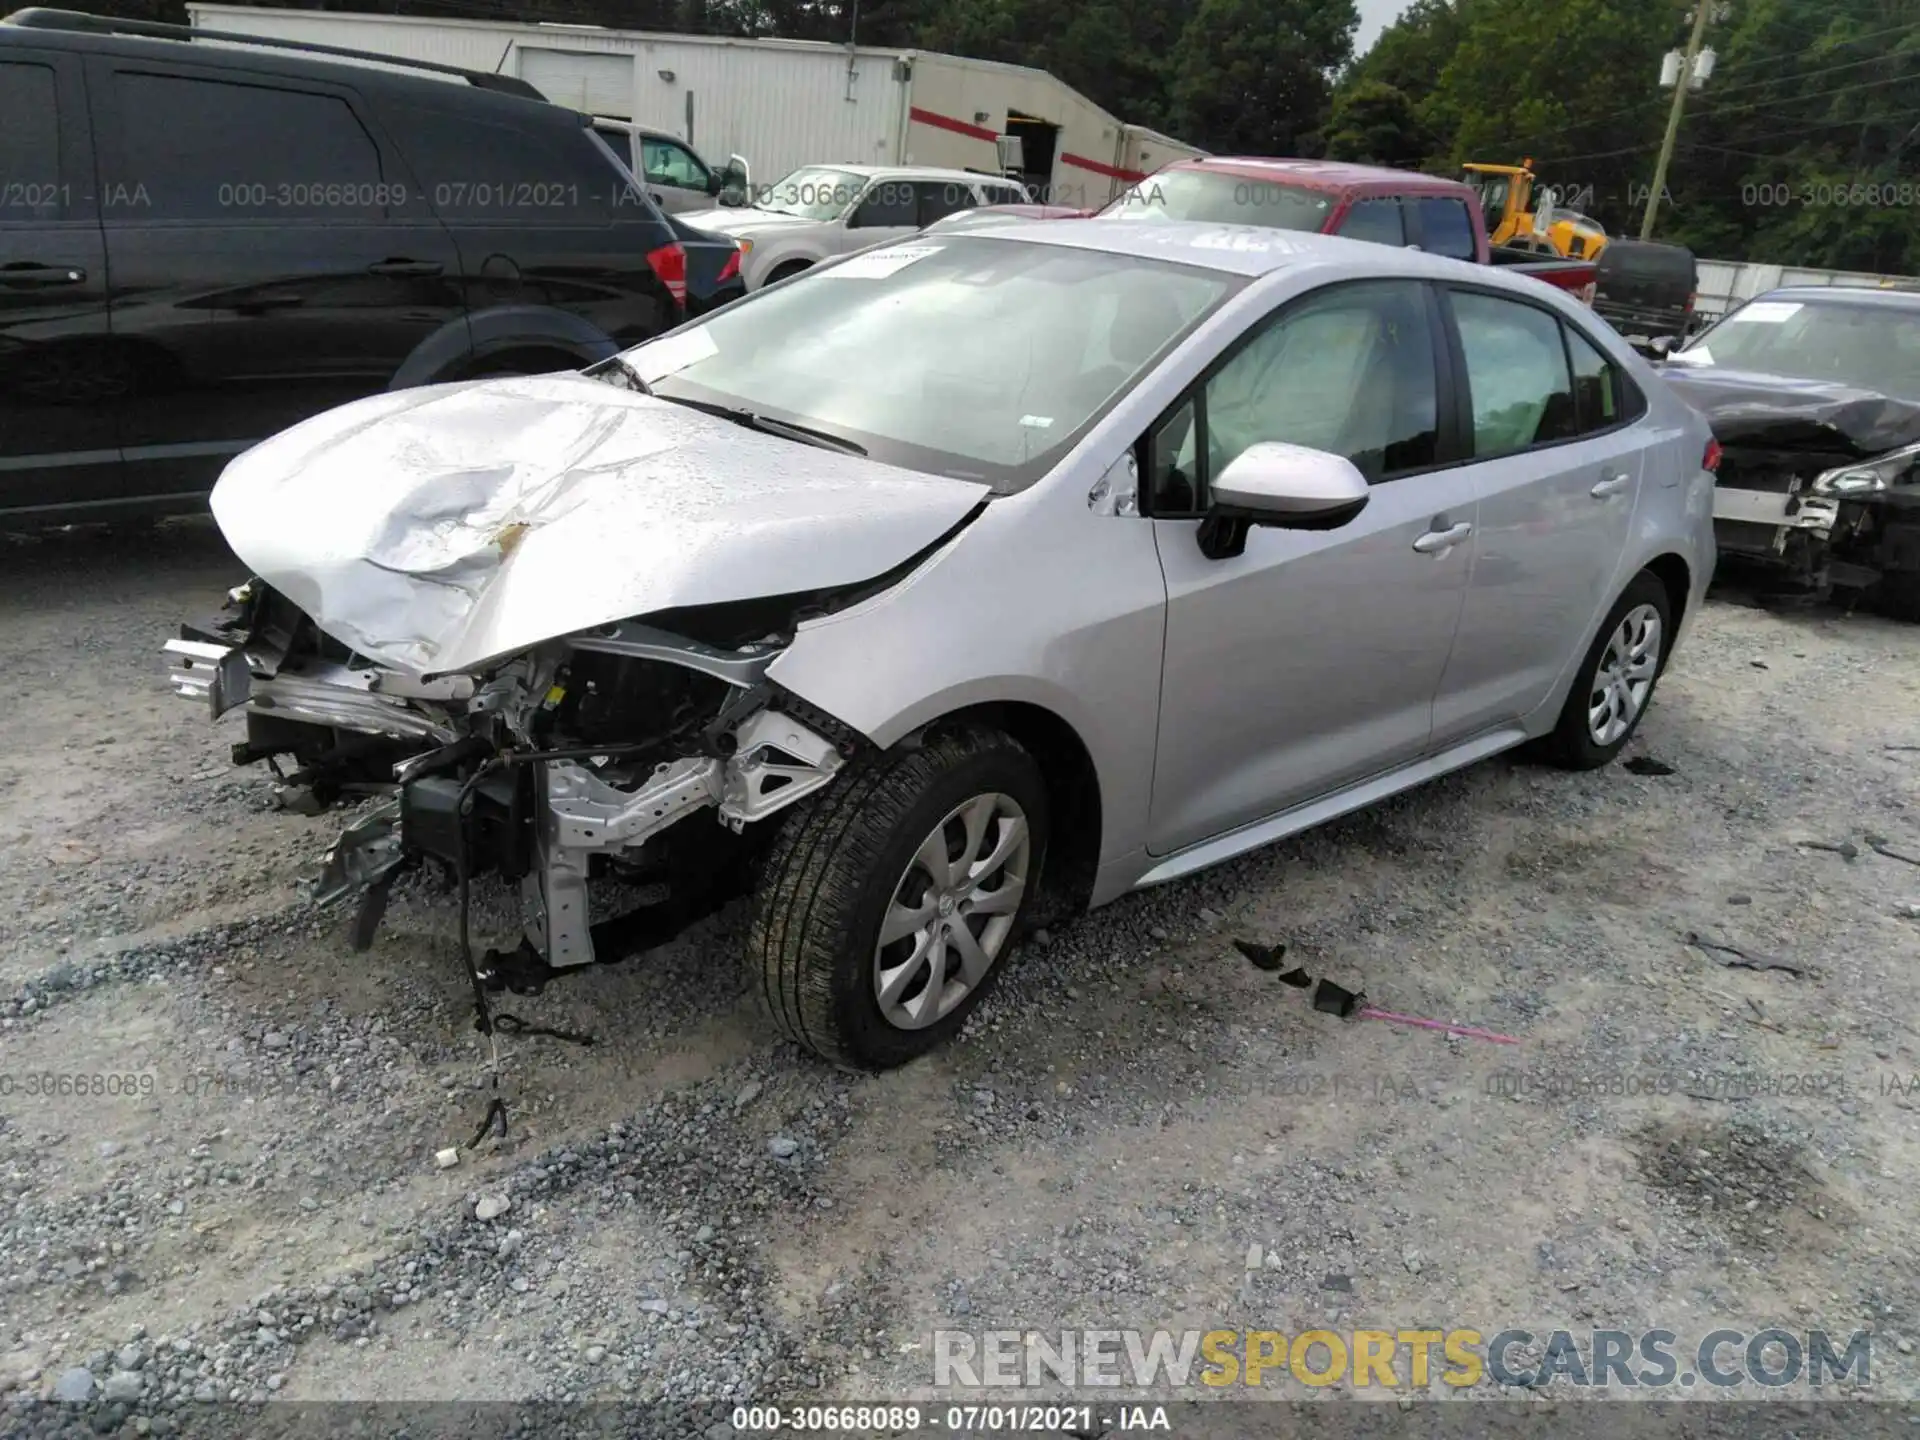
<point x="785" y="429"/>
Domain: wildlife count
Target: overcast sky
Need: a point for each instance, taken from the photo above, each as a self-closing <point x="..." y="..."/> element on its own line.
<point x="1375" y="16"/>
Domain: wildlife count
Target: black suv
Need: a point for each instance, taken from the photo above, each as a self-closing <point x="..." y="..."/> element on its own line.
<point x="201" y="244"/>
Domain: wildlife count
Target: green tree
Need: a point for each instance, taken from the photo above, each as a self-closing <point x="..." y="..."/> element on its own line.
<point x="1378" y="124"/>
<point x="1253" y="76"/>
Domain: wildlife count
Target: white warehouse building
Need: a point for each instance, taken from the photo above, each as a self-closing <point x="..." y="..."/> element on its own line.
<point x="779" y="103"/>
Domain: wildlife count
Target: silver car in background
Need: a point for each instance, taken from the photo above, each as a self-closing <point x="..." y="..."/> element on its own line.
<point x="966" y="583"/>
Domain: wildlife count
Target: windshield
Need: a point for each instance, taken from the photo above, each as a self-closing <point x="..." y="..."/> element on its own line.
<point x="813" y="192"/>
<point x="1869" y="347"/>
<point x="1214" y="195"/>
<point x="1493" y="194"/>
<point x="961" y="356"/>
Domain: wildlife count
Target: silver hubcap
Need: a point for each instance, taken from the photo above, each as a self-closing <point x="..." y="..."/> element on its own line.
<point x="952" y="911"/>
<point x="1625" y="676"/>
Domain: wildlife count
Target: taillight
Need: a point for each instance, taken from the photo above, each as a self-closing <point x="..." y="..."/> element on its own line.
<point x="669" y="262"/>
<point x="1711" y="460"/>
<point x="730" y="270"/>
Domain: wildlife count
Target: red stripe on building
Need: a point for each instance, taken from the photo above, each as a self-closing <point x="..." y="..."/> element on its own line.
<point x="947" y="122"/>
<point x="1112" y="172"/>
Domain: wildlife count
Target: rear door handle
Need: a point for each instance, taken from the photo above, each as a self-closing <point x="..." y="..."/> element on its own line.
<point x="405" y="267"/>
<point x="1611" y="485"/>
<point x="28" y="274"/>
<point x="1436" y="541"/>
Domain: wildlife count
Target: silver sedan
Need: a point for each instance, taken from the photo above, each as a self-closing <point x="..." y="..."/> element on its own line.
<point x="962" y="584"/>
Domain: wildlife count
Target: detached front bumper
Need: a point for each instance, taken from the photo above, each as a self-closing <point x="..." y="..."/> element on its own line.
<point x="480" y="773"/>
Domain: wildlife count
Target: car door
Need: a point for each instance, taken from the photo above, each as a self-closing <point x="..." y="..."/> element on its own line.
<point x="59" y="443"/>
<point x="1556" y="470"/>
<point x="676" y="180"/>
<point x="269" y="258"/>
<point x="1309" y="661"/>
<point x="886" y="210"/>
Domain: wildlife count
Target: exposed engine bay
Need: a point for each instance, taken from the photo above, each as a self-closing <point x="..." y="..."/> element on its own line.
<point x="1817" y="481"/>
<point x="597" y="755"/>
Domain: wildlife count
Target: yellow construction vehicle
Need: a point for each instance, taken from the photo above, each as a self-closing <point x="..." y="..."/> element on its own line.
<point x="1507" y="197"/>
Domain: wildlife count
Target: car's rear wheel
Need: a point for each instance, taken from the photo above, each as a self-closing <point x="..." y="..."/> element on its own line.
<point x="1615" y="681"/>
<point x="886" y="907"/>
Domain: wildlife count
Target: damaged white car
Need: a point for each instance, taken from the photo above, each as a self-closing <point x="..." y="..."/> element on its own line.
<point x="959" y="585"/>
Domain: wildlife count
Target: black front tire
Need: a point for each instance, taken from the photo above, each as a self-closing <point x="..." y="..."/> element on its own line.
<point x="1572" y="745"/>
<point x="832" y="875"/>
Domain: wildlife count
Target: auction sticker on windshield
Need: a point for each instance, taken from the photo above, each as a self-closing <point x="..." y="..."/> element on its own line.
<point x="1765" y="312"/>
<point x="881" y="263"/>
<point x="664" y="356"/>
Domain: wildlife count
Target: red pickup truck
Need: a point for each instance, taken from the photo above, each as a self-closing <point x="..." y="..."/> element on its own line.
<point x="1362" y="202"/>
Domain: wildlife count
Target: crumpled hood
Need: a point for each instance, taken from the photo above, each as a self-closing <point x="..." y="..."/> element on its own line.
<point x="437" y="529"/>
<point x="1778" y="411"/>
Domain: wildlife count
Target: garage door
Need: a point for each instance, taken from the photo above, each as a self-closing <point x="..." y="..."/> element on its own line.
<point x="597" y="84"/>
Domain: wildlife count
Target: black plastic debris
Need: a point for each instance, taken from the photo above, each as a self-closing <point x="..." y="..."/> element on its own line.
<point x="1735" y="958"/>
<point x="1264" y="957"/>
<point x="1332" y="999"/>
<point x="1341" y="1283"/>
<point x="1647" y="765"/>
<point x="1269" y="957"/>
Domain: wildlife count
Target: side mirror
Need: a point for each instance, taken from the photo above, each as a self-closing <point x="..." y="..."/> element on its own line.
<point x="1289" y="486"/>
<point x="1660" y="345"/>
<point x="1010" y="151"/>
<point x="735" y="182"/>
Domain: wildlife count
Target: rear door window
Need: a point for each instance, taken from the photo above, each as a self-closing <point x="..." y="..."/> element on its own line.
<point x="191" y="148"/>
<point x="32" y="186"/>
<point x="1376" y="218"/>
<point x="937" y="199"/>
<point x="1596" y="385"/>
<point x="478" y="170"/>
<point x="1445" y="228"/>
<point x="1516" y="374"/>
<point x="888" y="203"/>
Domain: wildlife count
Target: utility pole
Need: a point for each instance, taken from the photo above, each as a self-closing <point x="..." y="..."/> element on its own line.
<point x="1681" y="84"/>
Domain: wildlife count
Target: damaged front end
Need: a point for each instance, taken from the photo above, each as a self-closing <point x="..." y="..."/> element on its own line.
<point x="580" y="770"/>
<point x="1817" y="482"/>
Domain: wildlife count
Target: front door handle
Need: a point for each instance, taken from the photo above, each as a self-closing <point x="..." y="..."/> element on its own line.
<point x="1611" y="485"/>
<point x="1435" y="542"/>
<point x="26" y="274"/>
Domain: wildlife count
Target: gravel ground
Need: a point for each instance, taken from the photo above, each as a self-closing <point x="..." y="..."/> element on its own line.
<point x="1139" y="1129"/>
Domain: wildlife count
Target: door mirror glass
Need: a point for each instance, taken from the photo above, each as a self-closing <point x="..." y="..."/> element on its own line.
<point x="1274" y="483"/>
<point x="735" y="182"/>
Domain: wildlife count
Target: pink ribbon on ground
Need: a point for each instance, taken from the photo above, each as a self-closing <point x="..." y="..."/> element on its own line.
<point x="1370" y="1013"/>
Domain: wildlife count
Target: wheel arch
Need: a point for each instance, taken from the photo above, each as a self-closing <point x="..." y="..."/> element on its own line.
<point x="459" y="345"/>
<point x="1073" y="794"/>
<point x="1676" y="575"/>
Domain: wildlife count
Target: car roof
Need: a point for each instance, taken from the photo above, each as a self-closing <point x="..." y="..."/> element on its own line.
<point x="1330" y="175"/>
<point x="911" y="172"/>
<point x="1248" y="250"/>
<point x="388" y="77"/>
<point x="1891" y="297"/>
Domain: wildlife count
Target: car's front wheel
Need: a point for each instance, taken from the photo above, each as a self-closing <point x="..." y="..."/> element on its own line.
<point x="886" y="907"/>
<point x="1615" y="682"/>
